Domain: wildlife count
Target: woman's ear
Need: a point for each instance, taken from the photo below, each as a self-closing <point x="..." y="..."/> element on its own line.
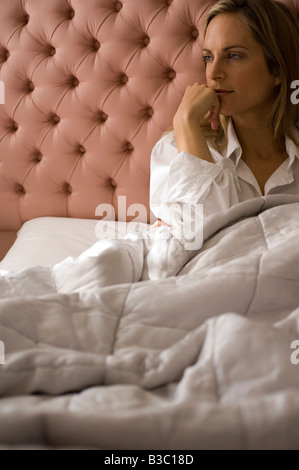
<point x="277" y="79"/>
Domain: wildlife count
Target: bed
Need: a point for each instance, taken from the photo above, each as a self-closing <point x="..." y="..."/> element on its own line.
<point x="112" y="334"/>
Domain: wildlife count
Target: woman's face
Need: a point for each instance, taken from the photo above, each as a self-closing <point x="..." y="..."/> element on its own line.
<point x="236" y="66"/>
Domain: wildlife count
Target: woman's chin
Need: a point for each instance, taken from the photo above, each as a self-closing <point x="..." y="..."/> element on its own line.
<point x="225" y="111"/>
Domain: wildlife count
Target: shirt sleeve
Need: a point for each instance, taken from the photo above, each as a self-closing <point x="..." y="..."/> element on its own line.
<point x="182" y="178"/>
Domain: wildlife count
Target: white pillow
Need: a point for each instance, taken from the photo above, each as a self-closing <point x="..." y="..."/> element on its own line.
<point x="46" y="241"/>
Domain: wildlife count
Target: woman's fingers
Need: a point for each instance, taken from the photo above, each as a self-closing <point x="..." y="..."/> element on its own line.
<point x="213" y="116"/>
<point x="200" y="101"/>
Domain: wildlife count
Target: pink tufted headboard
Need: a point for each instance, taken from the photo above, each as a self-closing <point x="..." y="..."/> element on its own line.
<point x="89" y="86"/>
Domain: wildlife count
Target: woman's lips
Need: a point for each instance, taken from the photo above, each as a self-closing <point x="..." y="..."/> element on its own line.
<point x="223" y="92"/>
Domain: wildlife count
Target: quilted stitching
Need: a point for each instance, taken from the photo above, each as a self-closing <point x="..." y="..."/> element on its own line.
<point x="90" y="86"/>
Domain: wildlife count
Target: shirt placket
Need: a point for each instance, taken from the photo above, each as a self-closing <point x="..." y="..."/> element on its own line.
<point x="245" y="173"/>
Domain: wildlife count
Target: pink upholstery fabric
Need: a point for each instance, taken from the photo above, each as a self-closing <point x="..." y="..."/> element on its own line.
<point x="89" y="88"/>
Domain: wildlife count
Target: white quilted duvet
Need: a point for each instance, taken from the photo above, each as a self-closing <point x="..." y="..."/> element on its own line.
<point x="138" y="344"/>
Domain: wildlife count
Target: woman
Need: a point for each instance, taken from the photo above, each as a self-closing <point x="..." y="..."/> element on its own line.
<point x="234" y="138"/>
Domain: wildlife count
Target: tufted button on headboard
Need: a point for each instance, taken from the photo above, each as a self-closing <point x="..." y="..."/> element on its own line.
<point x="89" y="87"/>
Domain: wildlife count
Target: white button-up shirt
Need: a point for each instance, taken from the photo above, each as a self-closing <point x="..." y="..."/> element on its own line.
<point x="182" y="178"/>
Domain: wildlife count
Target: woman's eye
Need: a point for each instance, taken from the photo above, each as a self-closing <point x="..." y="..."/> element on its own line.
<point x="233" y="56"/>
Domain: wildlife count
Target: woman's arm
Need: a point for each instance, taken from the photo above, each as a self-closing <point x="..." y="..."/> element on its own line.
<point x="198" y="102"/>
<point x="174" y="166"/>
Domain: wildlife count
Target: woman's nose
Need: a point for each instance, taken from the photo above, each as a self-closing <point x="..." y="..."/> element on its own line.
<point x="215" y="70"/>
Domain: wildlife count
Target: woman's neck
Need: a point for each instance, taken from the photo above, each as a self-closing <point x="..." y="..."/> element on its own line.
<point x="259" y="150"/>
<point x="256" y="137"/>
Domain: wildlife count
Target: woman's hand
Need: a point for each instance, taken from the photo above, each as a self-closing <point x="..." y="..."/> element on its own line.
<point x="159" y="223"/>
<point x="199" y="101"/>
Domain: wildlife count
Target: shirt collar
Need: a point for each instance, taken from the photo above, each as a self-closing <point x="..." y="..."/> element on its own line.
<point x="234" y="150"/>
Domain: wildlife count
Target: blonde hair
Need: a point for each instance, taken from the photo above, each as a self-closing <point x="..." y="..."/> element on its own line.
<point x="276" y="29"/>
